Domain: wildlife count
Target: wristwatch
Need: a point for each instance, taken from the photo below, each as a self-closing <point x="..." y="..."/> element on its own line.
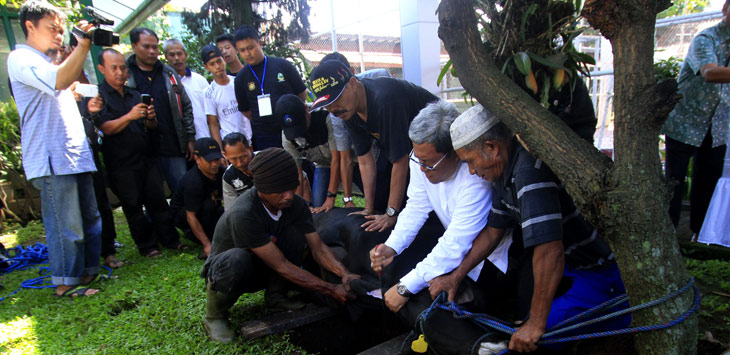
<point x="347" y="199"/>
<point x="403" y="290"/>
<point x="390" y="211"/>
<point x="331" y="194"/>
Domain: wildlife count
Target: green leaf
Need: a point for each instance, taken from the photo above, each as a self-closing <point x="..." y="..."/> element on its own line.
<point x="506" y="62"/>
<point x="443" y="72"/>
<point x="584" y="58"/>
<point x="523" y="62"/>
<point x="554" y="61"/>
<point x="545" y="90"/>
<point x="531" y="10"/>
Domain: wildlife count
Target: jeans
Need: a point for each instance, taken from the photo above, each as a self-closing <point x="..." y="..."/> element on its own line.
<point x="172" y="170"/>
<point x="706" y="170"/>
<point x="73" y="226"/>
<point x="262" y="141"/>
<point x="321" y="184"/>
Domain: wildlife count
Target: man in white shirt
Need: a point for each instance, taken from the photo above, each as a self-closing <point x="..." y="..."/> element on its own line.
<point x="57" y="158"/>
<point x="194" y="83"/>
<point x="221" y="105"/>
<point x="440" y="182"/>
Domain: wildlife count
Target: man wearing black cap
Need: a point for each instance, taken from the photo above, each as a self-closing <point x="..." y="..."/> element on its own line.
<point x="309" y="135"/>
<point x="221" y="106"/>
<point x="133" y="174"/>
<point x="380" y="108"/>
<point x="259" y="243"/>
<point x="260" y="84"/>
<point x="197" y="202"/>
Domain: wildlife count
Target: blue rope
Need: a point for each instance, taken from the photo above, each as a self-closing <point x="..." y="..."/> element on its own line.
<point x="486" y="322"/>
<point x="27" y="257"/>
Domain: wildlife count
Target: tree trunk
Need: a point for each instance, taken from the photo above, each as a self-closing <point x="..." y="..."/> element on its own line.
<point x="626" y="200"/>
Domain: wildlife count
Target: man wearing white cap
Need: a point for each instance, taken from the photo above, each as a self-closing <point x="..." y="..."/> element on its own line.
<point x="573" y="269"/>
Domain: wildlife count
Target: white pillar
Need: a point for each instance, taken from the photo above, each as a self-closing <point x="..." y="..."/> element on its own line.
<point x="420" y="45"/>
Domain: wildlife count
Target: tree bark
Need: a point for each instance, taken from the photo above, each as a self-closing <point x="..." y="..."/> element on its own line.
<point x="626" y="200"/>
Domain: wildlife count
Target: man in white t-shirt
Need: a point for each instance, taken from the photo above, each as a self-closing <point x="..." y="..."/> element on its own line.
<point x="221" y="106"/>
<point x="194" y="83"/>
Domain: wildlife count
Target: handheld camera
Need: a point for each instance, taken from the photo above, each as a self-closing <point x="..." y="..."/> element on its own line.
<point x="104" y="34"/>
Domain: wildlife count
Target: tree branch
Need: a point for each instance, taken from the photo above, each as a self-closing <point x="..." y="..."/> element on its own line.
<point x="550" y="139"/>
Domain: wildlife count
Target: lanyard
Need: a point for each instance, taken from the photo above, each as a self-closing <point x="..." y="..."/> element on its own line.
<point x="263" y="75"/>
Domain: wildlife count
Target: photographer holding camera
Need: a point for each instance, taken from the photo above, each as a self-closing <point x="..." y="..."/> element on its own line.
<point x="57" y="158"/>
<point x="128" y="122"/>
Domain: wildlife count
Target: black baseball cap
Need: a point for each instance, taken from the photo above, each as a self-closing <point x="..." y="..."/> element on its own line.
<point x="207" y="148"/>
<point x="291" y="112"/>
<point x="328" y="80"/>
<point x="209" y="52"/>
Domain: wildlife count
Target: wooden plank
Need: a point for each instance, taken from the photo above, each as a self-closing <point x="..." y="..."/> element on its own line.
<point x="283" y="321"/>
<point x="389" y="347"/>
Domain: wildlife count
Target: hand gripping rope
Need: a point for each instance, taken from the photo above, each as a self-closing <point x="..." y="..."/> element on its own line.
<point x="488" y="323"/>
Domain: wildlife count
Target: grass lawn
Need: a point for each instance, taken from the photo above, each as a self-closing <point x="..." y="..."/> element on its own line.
<point x="157" y="306"/>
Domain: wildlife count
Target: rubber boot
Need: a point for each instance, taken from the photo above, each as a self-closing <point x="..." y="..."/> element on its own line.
<point x="216" y="316"/>
<point x="275" y="296"/>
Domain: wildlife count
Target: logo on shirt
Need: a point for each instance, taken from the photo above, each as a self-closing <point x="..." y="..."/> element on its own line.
<point x="280" y="76"/>
<point x="251" y="86"/>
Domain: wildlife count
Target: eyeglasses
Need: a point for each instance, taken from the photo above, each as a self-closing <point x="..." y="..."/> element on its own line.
<point x="427" y="167"/>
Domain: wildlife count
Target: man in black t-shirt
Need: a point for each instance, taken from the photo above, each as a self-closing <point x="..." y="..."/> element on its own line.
<point x="380" y="108"/>
<point x="261" y="82"/>
<point x="259" y="243"/>
<point x="197" y="202"/>
<point x="237" y="178"/>
<point x="133" y="174"/>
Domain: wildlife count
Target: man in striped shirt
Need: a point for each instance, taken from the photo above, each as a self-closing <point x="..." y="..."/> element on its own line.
<point x="572" y="267"/>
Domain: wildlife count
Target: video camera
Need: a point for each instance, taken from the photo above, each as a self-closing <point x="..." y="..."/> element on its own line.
<point x="104" y="34"/>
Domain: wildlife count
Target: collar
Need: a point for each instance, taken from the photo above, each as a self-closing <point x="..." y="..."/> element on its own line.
<point x="132" y="62"/>
<point x="25" y="46"/>
<point x="723" y="31"/>
<point x="514" y="151"/>
<point x="110" y="90"/>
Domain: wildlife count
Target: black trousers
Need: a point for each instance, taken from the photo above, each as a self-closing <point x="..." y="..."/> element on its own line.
<point x="706" y="170"/>
<point x="237" y="271"/>
<point x="143" y="188"/>
<point x="108" y="234"/>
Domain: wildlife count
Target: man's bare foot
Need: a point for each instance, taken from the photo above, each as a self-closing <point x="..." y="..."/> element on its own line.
<point x="113" y="262"/>
<point x="74" y="291"/>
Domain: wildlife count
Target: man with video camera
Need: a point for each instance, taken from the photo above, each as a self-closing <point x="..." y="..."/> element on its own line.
<point x="57" y="158"/>
<point x="127" y="122"/>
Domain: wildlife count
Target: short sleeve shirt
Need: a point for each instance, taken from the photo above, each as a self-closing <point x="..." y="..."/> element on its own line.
<point x="220" y="101"/>
<point x="320" y="141"/>
<point x="530" y="196"/>
<point x="248" y="225"/>
<point x="391" y="105"/>
<point x="690" y="120"/>
<point x="281" y="78"/>
<point x="52" y="135"/>
<point x="195" y="189"/>
<point x="125" y="150"/>
<point x="195" y="85"/>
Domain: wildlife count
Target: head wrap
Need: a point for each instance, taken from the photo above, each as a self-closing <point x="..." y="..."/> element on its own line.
<point x="470" y="125"/>
<point x="274" y="171"/>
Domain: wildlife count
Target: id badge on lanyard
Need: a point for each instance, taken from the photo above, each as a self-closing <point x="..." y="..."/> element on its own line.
<point x="263" y="100"/>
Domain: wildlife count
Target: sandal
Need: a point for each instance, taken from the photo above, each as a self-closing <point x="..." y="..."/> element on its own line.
<point x="74" y="292"/>
<point x="182" y="247"/>
<point x="153" y="254"/>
